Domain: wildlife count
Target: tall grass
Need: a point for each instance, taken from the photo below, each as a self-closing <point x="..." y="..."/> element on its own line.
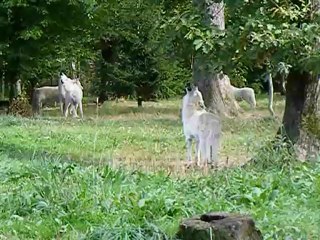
<point x="57" y="181"/>
<point x="45" y="198"/>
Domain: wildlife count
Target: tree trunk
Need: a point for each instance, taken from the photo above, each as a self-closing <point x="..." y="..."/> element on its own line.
<point x="2" y="88"/>
<point x="215" y="87"/>
<point x="18" y="88"/>
<point x="140" y="101"/>
<point x="11" y="77"/>
<point x="301" y="119"/>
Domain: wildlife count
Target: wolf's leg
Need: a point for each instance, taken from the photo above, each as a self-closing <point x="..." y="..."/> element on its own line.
<point x="202" y="151"/>
<point x="61" y="108"/>
<point x="62" y="105"/>
<point x="189" y="149"/>
<point x="80" y="109"/>
<point x="66" y="108"/>
<point x="215" y="148"/>
<point x="208" y="159"/>
<point x="74" y="108"/>
<point x="66" y="111"/>
<point x="197" y="149"/>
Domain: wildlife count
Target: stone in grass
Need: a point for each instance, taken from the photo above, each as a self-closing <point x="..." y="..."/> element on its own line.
<point x="219" y="226"/>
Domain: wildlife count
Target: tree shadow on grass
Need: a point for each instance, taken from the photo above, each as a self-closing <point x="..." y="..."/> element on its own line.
<point x="161" y="120"/>
<point x="15" y="151"/>
<point x="124" y="110"/>
<point x="116" y="110"/>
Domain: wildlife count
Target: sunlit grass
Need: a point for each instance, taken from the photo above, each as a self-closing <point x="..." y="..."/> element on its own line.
<point x="125" y="134"/>
<point x="119" y="174"/>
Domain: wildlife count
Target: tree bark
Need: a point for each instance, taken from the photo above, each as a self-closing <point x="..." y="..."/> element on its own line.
<point x="215" y="87"/>
<point x="301" y="119"/>
<point x="139" y="101"/>
<point x="2" y="88"/>
<point x="108" y="54"/>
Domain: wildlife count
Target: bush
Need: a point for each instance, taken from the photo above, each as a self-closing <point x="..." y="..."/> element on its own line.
<point x="20" y="107"/>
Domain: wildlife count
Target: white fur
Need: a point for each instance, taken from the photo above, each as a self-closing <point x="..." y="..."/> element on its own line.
<point x="246" y="94"/>
<point x="71" y="94"/>
<point x="200" y="125"/>
<point x="62" y="92"/>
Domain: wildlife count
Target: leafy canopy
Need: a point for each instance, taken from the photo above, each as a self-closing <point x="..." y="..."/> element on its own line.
<point x="39" y="37"/>
<point x="258" y="33"/>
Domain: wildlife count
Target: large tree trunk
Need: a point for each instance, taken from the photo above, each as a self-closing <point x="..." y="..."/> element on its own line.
<point x="301" y="120"/>
<point x="109" y="56"/>
<point x="215" y="87"/>
<point x="2" y="87"/>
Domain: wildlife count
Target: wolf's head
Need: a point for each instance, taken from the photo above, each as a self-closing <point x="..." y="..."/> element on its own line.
<point x="195" y="97"/>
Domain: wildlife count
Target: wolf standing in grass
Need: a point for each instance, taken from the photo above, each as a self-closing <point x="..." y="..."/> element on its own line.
<point x="200" y="125"/>
<point x="246" y="94"/>
<point x="71" y="91"/>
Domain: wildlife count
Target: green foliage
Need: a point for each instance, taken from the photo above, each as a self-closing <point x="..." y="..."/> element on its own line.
<point x="266" y="33"/>
<point x="258" y="34"/>
<point x="147" y="47"/>
<point x="35" y="35"/>
<point x="174" y="77"/>
<point x="137" y="56"/>
<point x="312" y="125"/>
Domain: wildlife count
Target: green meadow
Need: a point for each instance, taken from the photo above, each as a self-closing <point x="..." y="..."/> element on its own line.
<point x="120" y="174"/>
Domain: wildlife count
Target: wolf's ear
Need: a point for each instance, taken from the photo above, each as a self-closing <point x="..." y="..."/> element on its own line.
<point x="194" y="87"/>
<point x="188" y="87"/>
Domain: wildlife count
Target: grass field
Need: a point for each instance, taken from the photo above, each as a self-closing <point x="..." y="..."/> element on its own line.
<point x="119" y="174"/>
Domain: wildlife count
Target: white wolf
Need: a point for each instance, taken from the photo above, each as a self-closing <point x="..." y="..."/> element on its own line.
<point x="51" y="95"/>
<point x="71" y="95"/>
<point x="246" y="94"/>
<point x="62" y="91"/>
<point x="200" y="125"/>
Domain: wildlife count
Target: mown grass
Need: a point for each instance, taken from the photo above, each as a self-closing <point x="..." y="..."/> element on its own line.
<point x="119" y="176"/>
<point x="150" y="137"/>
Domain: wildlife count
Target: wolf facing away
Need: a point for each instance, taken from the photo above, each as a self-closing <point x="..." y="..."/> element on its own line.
<point x="201" y="126"/>
<point x="71" y="95"/>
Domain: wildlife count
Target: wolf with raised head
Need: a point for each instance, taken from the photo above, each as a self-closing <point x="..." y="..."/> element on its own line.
<point x="70" y="95"/>
<point x="201" y="126"/>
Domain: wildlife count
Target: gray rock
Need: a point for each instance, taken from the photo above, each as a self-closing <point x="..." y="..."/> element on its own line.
<point x="219" y="226"/>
